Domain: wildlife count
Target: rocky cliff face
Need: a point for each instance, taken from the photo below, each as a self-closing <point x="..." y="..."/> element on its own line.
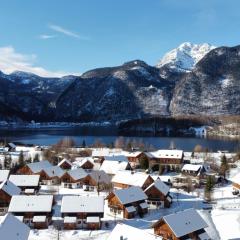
<point x="209" y="85"/>
<point x="212" y="87"/>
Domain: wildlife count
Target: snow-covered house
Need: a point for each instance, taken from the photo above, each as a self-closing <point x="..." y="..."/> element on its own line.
<point x="82" y="212"/>
<point x="65" y="164"/>
<point x="35" y="167"/>
<point x="168" y="159"/>
<point x="84" y="162"/>
<point x="7" y="191"/>
<point x="13" y="229"/>
<point x="97" y="179"/>
<point x="74" y="178"/>
<point x="125" y="179"/>
<point x="128" y="202"/>
<point x="28" y="183"/>
<point x="36" y="210"/>
<point x="112" y="164"/>
<point x="158" y="194"/>
<point x="134" y="157"/>
<point x="4" y="174"/>
<point x="124" y="231"/>
<point x="187" y="224"/>
<point x="196" y="170"/>
<point x="51" y="175"/>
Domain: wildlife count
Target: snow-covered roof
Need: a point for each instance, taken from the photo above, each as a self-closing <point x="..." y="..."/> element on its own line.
<point x="160" y="185"/>
<point x="13" y="229"/>
<point x="177" y="154"/>
<point x="93" y="219"/>
<point x="82" y="204"/>
<point x="4" y="175"/>
<point x="70" y="219"/>
<point x="185" y="222"/>
<point x="113" y="166"/>
<point x="130" y="178"/>
<point x="100" y="176"/>
<point x="130" y="233"/>
<point x="100" y="152"/>
<point x="80" y="161"/>
<point x="39" y="166"/>
<point x="63" y="161"/>
<point x="39" y="218"/>
<point x="236" y="179"/>
<point x="192" y="167"/>
<point x="129" y="195"/>
<point x="54" y="171"/>
<point x="119" y="158"/>
<point x="25" y="180"/>
<point x="10" y="188"/>
<point x="77" y="173"/>
<point x="132" y="154"/>
<point x="32" y="203"/>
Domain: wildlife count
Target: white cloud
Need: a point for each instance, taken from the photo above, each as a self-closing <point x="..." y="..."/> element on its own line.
<point x="67" y="32"/>
<point x="46" y="36"/>
<point x="11" y="61"/>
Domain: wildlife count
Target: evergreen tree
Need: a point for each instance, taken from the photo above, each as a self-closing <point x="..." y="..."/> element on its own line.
<point x="144" y="164"/>
<point x="209" y="187"/>
<point x="21" y="159"/>
<point x="36" y="158"/>
<point x="224" y="166"/>
<point x="7" y="162"/>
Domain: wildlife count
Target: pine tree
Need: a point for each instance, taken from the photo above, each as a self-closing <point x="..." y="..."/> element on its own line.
<point x="7" y="162"/>
<point x="36" y="158"/>
<point x="21" y="159"/>
<point x="224" y="166"/>
<point x="209" y="187"/>
<point x="143" y="160"/>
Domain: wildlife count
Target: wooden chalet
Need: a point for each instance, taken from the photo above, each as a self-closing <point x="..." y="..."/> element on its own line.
<point x="166" y="159"/>
<point x="125" y="179"/>
<point x="74" y="178"/>
<point x="128" y="202"/>
<point x="34" y="167"/>
<point x="84" y="162"/>
<point x="158" y="194"/>
<point x="134" y="158"/>
<point x="82" y="212"/>
<point x="187" y="224"/>
<point x="195" y="170"/>
<point x="7" y="191"/>
<point x="65" y="164"/>
<point x="36" y="211"/>
<point x="51" y="175"/>
<point x="27" y="183"/>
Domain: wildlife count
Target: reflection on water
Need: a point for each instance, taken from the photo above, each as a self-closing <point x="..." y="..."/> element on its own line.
<point x="108" y="135"/>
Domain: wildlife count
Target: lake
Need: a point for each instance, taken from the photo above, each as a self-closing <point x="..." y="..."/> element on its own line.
<point x="109" y="135"/>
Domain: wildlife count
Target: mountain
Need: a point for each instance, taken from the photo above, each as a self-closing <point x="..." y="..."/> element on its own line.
<point x="212" y="87"/>
<point x="184" y="57"/>
<point x="194" y="79"/>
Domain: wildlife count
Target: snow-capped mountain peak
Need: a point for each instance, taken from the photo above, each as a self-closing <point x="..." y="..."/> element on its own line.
<point x="185" y="57"/>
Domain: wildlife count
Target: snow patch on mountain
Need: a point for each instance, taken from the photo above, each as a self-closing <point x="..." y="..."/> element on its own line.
<point x="185" y="57"/>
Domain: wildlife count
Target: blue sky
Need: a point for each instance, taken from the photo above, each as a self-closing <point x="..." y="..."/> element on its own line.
<point x="57" y="37"/>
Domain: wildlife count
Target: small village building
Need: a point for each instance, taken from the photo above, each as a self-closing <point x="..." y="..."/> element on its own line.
<point x="134" y="158"/>
<point x="196" y="170"/>
<point x="4" y="174"/>
<point x="28" y="183"/>
<point x="36" y="210"/>
<point x="187" y="224"/>
<point x="236" y="183"/>
<point x="82" y="212"/>
<point x="123" y="231"/>
<point x="84" y="162"/>
<point x="65" y="164"/>
<point x="34" y="167"/>
<point x="112" y="164"/>
<point x="74" y="178"/>
<point x="51" y="175"/>
<point x="128" y="202"/>
<point x="158" y="194"/>
<point x="125" y="179"/>
<point x="7" y="191"/>
<point x="13" y="229"/>
<point x="166" y="159"/>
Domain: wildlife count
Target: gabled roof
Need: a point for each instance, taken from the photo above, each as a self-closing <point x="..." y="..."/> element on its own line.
<point x="132" y="154"/>
<point x="184" y="222"/>
<point x="78" y="204"/>
<point x="25" y="180"/>
<point x="13" y="229"/>
<point x="177" y="154"/>
<point x="39" y="166"/>
<point x="159" y="185"/>
<point x="192" y="167"/>
<point x="77" y="173"/>
<point x="130" y="178"/>
<point x="129" y="195"/>
<point x="65" y="160"/>
<point x="10" y="188"/>
<point x="80" y="161"/>
<point x="54" y="171"/>
<point x="32" y="203"/>
<point x="100" y="176"/>
<point x="131" y="233"/>
<point x="236" y="179"/>
<point x="4" y="175"/>
<point x="113" y="166"/>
